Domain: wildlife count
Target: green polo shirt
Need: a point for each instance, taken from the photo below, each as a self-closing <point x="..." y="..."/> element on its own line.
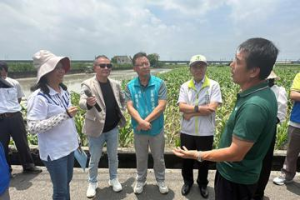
<point x="253" y="119"/>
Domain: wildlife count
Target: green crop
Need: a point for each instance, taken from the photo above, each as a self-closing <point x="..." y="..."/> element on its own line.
<point x="174" y="79"/>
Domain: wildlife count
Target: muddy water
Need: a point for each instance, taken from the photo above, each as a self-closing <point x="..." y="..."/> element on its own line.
<point x="74" y="81"/>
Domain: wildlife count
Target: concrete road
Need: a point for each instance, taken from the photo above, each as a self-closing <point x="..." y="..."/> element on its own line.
<point x="39" y="187"/>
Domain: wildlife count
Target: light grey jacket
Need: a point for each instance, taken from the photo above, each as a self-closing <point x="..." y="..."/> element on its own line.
<point x="94" y="120"/>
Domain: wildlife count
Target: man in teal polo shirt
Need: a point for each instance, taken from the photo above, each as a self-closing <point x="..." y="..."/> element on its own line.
<point x="250" y="128"/>
<point x="146" y="98"/>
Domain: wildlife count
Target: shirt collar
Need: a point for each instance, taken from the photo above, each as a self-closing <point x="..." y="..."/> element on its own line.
<point x="253" y="89"/>
<point x="205" y="83"/>
<point x="52" y="92"/>
<point x="200" y="83"/>
<point x="138" y="82"/>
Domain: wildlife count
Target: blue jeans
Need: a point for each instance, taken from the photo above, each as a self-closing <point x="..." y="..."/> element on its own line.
<point x="61" y="173"/>
<point x="96" y="145"/>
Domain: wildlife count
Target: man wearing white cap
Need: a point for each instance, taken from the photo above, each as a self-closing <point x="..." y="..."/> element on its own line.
<point x="11" y="120"/>
<point x="198" y="101"/>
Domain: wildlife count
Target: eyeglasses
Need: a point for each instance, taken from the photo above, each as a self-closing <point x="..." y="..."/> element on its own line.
<point x="105" y="65"/>
<point x="146" y="64"/>
<point x="199" y="67"/>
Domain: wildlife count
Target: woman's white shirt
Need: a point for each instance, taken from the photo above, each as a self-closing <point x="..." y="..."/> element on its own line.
<point x="60" y="138"/>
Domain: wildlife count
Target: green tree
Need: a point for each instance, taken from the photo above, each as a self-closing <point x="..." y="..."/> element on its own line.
<point x="154" y="59"/>
<point x="114" y="60"/>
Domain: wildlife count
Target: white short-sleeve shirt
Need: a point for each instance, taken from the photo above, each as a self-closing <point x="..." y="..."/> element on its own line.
<point x="9" y="97"/>
<point x="61" y="140"/>
<point x="209" y="91"/>
<point x="17" y="85"/>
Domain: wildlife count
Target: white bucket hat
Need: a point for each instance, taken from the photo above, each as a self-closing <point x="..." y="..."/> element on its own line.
<point x="45" y="61"/>
<point x="198" y="58"/>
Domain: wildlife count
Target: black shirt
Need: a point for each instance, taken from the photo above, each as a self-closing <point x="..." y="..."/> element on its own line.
<point x="112" y="110"/>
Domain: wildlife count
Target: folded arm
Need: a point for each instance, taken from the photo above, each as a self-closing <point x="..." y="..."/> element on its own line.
<point x="143" y="124"/>
<point x="158" y="110"/>
<point x="203" y="110"/>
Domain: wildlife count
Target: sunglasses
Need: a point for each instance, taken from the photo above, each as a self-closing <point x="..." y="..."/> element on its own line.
<point x="105" y="65"/>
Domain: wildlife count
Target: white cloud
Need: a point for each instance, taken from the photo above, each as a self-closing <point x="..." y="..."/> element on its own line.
<point x="176" y="29"/>
<point x="189" y="7"/>
<point x="252" y="11"/>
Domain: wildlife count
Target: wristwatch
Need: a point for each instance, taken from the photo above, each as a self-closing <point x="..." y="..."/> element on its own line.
<point x="199" y="159"/>
<point x="196" y="108"/>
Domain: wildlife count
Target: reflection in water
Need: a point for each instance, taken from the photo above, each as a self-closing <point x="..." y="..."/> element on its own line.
<point x="74" y="81"/>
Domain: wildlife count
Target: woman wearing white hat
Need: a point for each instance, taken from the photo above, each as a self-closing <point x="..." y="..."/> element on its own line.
<point x="49" y="115"/>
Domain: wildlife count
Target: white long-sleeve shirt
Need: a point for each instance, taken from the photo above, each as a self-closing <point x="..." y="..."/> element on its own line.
<point x="46" y="115"/>
<point x="281" y="97"/>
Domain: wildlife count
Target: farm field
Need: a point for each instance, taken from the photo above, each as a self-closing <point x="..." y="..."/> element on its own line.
<point x="173" y="81"/>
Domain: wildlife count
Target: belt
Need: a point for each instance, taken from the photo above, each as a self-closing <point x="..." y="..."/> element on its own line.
<point x="7" y="115"/>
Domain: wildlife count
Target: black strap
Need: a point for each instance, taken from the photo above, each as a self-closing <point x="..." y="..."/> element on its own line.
<point x="4" y="83"/>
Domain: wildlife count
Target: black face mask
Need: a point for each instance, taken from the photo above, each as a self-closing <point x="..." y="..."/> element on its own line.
<point x="271" y="82"/>
<point x="4" y="83"/>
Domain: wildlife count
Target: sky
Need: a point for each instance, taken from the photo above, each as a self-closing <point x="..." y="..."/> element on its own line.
<point x="174" y="29"/>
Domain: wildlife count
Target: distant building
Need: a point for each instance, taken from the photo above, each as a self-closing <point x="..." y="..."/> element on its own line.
<point x="296" y="62"/>
<point x="122" y="59"/>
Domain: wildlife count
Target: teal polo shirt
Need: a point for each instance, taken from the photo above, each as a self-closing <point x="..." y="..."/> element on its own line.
<point x="252" y="119"/>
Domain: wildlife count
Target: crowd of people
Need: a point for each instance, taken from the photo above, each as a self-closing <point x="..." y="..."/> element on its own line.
<point x="243" y="158"/>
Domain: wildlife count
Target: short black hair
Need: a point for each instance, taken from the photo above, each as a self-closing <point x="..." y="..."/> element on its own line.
<point x="138" y="55"/>
<point x="260" y="53"/>
<point x="3" y="65"/>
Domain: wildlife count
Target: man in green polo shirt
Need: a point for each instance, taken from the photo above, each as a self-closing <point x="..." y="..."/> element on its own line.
<point x="250" y="128"/>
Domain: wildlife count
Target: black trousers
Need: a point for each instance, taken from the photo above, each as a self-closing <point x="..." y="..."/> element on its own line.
<point x="265" y="170"/>
<point x="227" y="190"/>
<point x="200" y="143"/>
<point x="13" y="126"/>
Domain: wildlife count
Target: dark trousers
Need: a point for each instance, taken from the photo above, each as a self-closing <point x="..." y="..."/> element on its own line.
<point x="199" y="143"/>
<point x="265" y="170"/>
<point x="227" y="190"/>
<point x="13" y="126"/>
